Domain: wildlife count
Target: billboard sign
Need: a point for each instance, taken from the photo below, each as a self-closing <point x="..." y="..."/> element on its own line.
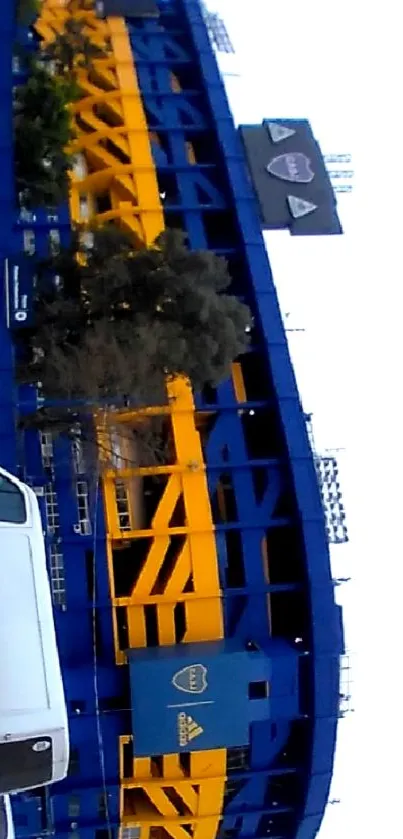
<point x="180" y="698"/>
<point x="126" y="8"/>
<point x="290" y="178"/>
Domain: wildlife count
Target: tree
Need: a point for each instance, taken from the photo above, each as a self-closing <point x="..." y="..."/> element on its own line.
<point x="42" y="118"/>
<point x="72" y="49"/>
<point x="42" y="132"/>
<point x="27" y="11"/>
<point x="122" y="320"/>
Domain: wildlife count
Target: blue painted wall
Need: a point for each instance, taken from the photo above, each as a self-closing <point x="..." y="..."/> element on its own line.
<point x="272" y="483"/>
<point x="206" y="696"/>
<point x="259" y="450"/>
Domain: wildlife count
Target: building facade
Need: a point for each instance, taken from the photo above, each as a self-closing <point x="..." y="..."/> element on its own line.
<point x="193" y="600"/>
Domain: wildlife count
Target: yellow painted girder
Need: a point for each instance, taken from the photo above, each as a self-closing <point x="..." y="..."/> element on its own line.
<point x="142" y="214"/>
<point x="201" y="792"/>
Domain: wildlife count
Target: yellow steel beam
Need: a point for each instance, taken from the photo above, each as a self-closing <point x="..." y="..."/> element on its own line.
<point x="110" y="120"/>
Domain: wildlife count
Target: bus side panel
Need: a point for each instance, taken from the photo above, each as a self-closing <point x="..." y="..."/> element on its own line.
<point x="23" y="687"/>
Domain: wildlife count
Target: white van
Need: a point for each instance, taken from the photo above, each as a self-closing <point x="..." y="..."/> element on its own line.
<point x="34" y="745"/>
<point x="6" y="818"/>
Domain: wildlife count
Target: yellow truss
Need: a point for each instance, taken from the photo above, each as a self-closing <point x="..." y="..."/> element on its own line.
<point x="114" y="179"/>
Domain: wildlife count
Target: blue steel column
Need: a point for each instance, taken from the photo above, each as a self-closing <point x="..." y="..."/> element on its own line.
<point x="325" y="616"/>
<point x="191" y="191"/>
<point x="175" y="90"/>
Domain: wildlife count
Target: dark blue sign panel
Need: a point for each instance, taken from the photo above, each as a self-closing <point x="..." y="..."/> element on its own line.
<point x="19" y="285"/>
<point x="189" y="698"/>
<point x="290" y="178"/>
<point x="126" y="8"/>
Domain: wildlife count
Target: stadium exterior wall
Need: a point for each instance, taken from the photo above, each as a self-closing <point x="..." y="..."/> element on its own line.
<point x="265" y="551"/>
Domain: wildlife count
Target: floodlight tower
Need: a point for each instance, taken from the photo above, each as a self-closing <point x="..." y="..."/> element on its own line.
<point x="327" y="471"/>
<point x="221" y="43"/>
<point x="341" y="172"/>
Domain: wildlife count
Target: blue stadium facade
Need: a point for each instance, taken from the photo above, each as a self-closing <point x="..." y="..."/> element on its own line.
<point x="263" y="763"/>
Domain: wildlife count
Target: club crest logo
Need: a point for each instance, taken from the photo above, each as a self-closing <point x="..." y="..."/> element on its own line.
<point x="191" y="679"/>
<point x="294" y="167"/>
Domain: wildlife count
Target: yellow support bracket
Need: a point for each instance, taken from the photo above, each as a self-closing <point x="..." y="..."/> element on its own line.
<point x="109" y="120"/>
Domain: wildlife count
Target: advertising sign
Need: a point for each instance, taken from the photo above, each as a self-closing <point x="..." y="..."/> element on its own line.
<point x="290" y="179"/>
<point x="19" y="280"/>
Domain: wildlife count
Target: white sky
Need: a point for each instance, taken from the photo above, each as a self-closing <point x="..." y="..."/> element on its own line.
<point x="338" y="65"/>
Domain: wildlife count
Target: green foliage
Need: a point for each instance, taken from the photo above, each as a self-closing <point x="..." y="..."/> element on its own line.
<point x="42" y="121"/>
<point x="127" y="319"/>
<point x="72" y="49"/>
<point x="42" y="130"/>
<point x="27" y="11"/>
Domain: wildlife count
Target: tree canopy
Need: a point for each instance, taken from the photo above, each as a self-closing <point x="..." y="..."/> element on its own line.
<point x="27" y="11"/>
<point x="42" y="118"/>
<point x="42" y="130"/>
<point x="122" y="320"/>
<point x="72" y="48"/>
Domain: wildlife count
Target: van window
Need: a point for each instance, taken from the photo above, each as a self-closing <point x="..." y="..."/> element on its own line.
<point x="12" y="502"/>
